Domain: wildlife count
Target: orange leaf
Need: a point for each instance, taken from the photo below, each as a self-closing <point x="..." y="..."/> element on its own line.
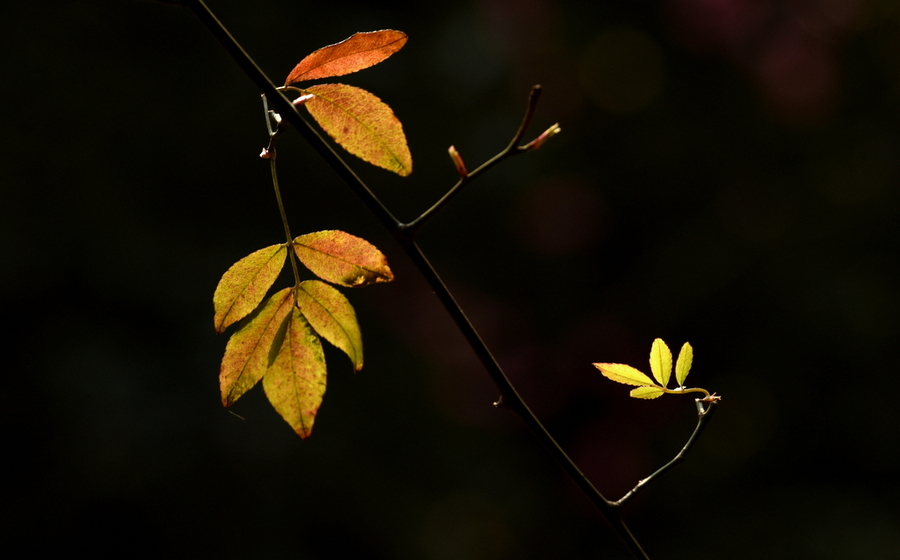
<point x="332" y="316"/>
<point x="245" y="284"/>
<point x="343" y="259"/>
<point x="247" y="352"/>
<point x="357" y="52"/>
<point x="295" y="382"/>
<point x="362" y="124"/>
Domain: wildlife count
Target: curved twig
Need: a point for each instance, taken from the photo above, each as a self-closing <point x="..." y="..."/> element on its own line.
<point x="704" y="413"/>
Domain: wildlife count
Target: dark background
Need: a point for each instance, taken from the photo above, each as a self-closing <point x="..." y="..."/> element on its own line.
<point x="727" y="174"/>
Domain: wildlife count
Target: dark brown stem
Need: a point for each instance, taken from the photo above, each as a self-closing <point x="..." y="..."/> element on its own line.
<point x="704" y="413"/>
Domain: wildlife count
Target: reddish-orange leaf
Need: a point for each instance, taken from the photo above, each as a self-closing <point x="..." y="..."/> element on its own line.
<point x="247" y="352"/>
<point x="245" y="284"/>
<point x="332" y="316"/>
<point x="362" y="124"/>
<point x="295" y="382"/>
<point x="350" y="55"/>
<point x="341" y="258"/>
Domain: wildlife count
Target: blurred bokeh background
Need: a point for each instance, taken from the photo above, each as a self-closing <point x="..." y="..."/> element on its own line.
<point x="727" y="174"/>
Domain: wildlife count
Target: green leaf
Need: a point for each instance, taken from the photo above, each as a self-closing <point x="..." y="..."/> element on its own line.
<point x="247" y="352"/>
<point x="362" y="124"/>
<point x="361" y="50"/>
<point x="646" y="392"/>
<point x="295" y="382"/>
<point x="332" y="316"/>
<point x="622" y="373"/>
<point x="660" y="361"/>
<point x="683" y="365"/>
<point x="343" y="259"/>
<point x="245" y="284"/>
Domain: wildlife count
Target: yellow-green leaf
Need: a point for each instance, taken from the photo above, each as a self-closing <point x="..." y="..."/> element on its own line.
<point x="295" y="382"/>
<point x="646" y="392"/>
<point x="362" y="124"/>
<point x="343" y="259"/>
<point x="660" y="361"/>
<point x="358" y="51"/>
<point x="332" y="316"/>
<point x="683" y="365"/>
<point x="623" y="373"/>
<point x="245" y="284"/>
<point x="247" y="352"/>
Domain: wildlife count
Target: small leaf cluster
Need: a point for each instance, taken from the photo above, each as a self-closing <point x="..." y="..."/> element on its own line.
<point x="279" y="341"/>
<point x="660" y="367"/>
<point x="359" y="121"/>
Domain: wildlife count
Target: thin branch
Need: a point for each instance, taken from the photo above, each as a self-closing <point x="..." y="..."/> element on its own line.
<point x="704" y="413"/>
<point x="511" y="150"/>
<point x="510" y="397"/>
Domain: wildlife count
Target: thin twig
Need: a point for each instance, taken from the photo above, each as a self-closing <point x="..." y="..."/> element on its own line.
<point x="704" y="413"/>
<point x="511" y="150"/>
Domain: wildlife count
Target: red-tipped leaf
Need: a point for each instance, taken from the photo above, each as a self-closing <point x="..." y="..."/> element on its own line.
<point x="340" y="258"/>
<point x="295" y="382"/>
<point x="247" y="352"/>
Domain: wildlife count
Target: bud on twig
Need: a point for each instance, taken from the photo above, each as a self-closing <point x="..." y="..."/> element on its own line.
<point x="539" y="141"/>
<point x="458" y="162"/>
<point x="302" y="99"/>
<point x="265" y="153"/>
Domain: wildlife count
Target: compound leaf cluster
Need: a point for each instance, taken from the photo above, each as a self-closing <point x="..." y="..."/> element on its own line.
<point x="278" y="341"/>
<point x="660" y="368"/>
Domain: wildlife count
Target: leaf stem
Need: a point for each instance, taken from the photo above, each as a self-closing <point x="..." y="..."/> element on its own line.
<point x="284" y="220"/>
<point x="705" y="409"/>
<point x="512" y="149"/>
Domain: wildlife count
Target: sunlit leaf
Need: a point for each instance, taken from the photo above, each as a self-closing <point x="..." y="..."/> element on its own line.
<point x="245" y="284"/>
<point x="683" y="365"/>
<point x="295" y="382"/>
<point x="332" y="316"/>
<point x="362" y="124"/>
<point x="341" y="258"/>
<point x="646" y="392"/>
<point x="247" y="352"/>
<point x="359" y="51"/>
<point x="661" y="361"/>
<point x="623" y="373"/>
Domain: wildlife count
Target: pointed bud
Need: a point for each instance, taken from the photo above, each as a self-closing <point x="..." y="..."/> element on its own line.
<point x="539" y="141"/>
<point x="265" y="154"/>
<point x="458" y="162"/>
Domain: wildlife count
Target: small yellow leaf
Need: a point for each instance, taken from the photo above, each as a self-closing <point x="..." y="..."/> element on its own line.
<point x="660" y="361"/>
<point x="295" y="382"/>
<point x="245" y="284"/>
<point x="683" y="365"/>
<point x="332" y="316"/>
<point x="362" y="124"/>
<point x="646" y="392"/>
<point x="623" y="373"/>
<point x="247" y="352"/>
<point x="340" y="258"/>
